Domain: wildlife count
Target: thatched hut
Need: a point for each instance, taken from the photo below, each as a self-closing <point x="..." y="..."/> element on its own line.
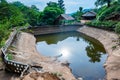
<point x="64" y="19"/>
<point x="90" y="15"/>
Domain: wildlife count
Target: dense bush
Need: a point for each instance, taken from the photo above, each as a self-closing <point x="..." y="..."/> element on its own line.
<point x="4" y="32"/>
<point x="108" y="12"/>
<point x="105" y="12"/>
<point x="108" y="25"/>
<point x="117" y="28"/>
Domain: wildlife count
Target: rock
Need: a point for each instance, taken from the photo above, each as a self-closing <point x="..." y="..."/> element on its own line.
<point x="65" y="63"/>
<point x="79" y="79"/>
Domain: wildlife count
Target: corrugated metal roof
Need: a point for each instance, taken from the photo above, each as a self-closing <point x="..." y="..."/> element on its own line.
<point x="89" y="13"/>
<point x="67" y="17"/>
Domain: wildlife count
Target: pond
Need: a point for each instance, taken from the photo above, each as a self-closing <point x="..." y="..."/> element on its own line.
<point x="85" y="54"/>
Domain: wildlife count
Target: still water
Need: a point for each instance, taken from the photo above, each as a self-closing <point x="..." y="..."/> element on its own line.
<point x="86" y="55"/>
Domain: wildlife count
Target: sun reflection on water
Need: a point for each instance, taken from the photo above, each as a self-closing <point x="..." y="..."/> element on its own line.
<point x="65" y="52"/>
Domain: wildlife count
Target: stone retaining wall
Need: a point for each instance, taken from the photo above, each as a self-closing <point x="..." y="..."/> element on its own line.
<point x="54" y="29"/>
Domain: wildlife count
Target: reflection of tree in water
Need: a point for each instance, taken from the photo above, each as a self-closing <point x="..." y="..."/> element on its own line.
<point x="94" y="49"/>
<point x="93" y="53"/>
<point x="55" y="38"/>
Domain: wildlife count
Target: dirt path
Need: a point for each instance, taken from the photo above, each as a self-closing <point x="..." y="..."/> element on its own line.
<point x="108" y="39"/>
<point x="26" y="52"/>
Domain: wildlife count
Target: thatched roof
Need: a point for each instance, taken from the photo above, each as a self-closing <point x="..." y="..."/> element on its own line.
<point x="89" y="14"/>
<point x="66" y="17"/>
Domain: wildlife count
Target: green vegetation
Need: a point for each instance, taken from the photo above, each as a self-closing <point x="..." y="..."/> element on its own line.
<point x="16" y="14"/>
<point x="9" y="56"/>
<point x="50" y="13"/>
<point x="102" y="2"/>
<point x="1" y="59"/>
<point x="108" y="16"/>
<point x="105" y="13"/>
<point x="4" y="32"/>
<point x="61" y="5"/>
<point x="78" y="14"/>
<point x="114" y="47"/>
<point x="108" y="25"/>
<point x="57" y="74"/>
<point x="117" y="28"/>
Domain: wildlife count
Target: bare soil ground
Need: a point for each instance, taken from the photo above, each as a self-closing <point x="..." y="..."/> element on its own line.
<point x="110" y="43"/>
<point x="41" y="76"/>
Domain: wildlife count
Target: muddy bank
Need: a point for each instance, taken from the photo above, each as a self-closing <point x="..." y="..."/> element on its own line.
<point x="110" y="43"/>
<point x="25" y="51"/>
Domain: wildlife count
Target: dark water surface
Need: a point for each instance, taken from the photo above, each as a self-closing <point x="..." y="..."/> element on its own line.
<point x="86" y="55"/>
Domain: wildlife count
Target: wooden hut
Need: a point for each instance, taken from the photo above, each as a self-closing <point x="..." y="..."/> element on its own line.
<point x="90" y="15"/>
<point x="64" y="19"/>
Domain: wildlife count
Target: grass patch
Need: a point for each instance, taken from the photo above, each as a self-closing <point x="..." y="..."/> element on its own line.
<point x="114" y="47"/>
<point x="57" y="74"/>
<point x="1" y="59"/>
<point x="11" y="47"/>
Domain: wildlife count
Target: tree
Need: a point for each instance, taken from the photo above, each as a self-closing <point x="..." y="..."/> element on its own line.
<point x="78" y="14"/>
<point x="4" y="10"/>
<point x="52" y="4"/>
<point x="34" y="8"/>
<point x="61" y="4"/>
<point x="3" y="1"/>
<point x="118" y="1"/>
<point x="31" y="14"/>
<point x="101" y="2"/>
<point x="9" y="12"/>
<point x="80" y="9"/>
<point x="50" y="13"/>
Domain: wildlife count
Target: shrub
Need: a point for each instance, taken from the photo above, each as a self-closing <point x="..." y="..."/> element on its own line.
<point x="117" y="28"/>
<point x="57" y="74"/>
<point x="9" y="56"/>
<point x="4" y="33"/>
<point x="108" y="25"/>
<point x="105" y="12"/>
<point x="117" y="9"/>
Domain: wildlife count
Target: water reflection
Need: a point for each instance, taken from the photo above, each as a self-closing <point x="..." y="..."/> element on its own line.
<point x="93" y="54"/>
<point x="85" y="54"/>
<point x="93" y="50"/>
<point x="65" y="52"/>
<point x="55" y="38"/>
